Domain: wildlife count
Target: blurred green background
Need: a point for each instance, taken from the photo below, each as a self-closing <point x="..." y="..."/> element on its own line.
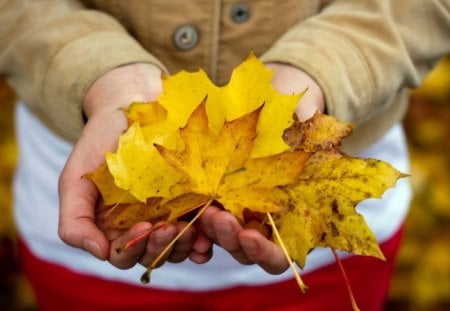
<point x="422" y="277"/>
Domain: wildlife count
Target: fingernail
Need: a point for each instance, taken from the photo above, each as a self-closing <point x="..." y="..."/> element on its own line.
<point x="93" y="248"/>
<point x="249" y="246"/>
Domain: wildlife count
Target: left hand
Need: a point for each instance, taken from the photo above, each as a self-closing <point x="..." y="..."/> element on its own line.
<point x="249" y="246"/>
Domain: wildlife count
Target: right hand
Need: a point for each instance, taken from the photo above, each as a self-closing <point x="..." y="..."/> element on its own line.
<point x="79" y="196"/>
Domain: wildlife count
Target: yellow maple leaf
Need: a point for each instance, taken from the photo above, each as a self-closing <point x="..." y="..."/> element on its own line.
<point x="321" y="205"/>
<point x="183" y="204"/>
<point x="156" y="127"/>
<point x="145" y="113"/>
<point x="111" y="194"/>
<point x="269" y="140"/>
<point x="138" y="168"/>
<point x="250" y="87"/>
<point x="220" y="167"/>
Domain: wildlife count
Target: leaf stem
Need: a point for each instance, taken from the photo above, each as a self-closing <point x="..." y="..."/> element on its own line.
<point x="299" y="280"/>
<point x="145" y="278"/>
<point x="347" y="283"/>
<point x="133" y="241"/>
<point x="137" y="239"/>
<point x="116" y="205"/>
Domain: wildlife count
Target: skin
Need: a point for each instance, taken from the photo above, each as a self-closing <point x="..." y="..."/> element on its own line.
<point x="78" y="196"/>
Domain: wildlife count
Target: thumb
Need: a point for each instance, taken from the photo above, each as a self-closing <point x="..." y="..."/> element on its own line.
<point x="78" y="197"/>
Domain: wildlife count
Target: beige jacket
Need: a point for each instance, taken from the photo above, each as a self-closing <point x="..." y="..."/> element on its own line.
<point x="362" y="53"/>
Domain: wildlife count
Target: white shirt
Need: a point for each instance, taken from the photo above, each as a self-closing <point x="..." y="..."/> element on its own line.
<point x="43" y="155"/>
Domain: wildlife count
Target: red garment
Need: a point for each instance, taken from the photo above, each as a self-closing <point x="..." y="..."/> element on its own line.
<point x="58" y="288"/>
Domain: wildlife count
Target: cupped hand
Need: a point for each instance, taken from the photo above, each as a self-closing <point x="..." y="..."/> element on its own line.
<point x="79" y="197"/>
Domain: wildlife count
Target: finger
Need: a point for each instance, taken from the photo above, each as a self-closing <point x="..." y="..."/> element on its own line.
<point x="183" y="245"/>
<point x="127" y="249"/>
<point x="201" y="244"/>
<point x="205" y="222"/>
<point x="158" y="240"/>
<point x="78" y="195"/>
<point x="227" y="229"/>
<point x="201" y="258"/>
<point x="201" y="251"/>
<point x="262" y="251"/>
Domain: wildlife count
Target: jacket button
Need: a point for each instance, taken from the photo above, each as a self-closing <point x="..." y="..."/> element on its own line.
<point x="186" y="37"/>
<point x="240" y="13"/>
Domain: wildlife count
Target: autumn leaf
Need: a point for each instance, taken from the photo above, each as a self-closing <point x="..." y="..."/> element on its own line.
<point x="321" y="132"/>
<point x="145" y="113"/>
<point x="249" y="88"/>
<point x="111" y="194"/>
<point x="321" y="205"/>
<point x="126" y="215"/>
<point x="138" y="168"/>
<point x="183" y="204"/>
<point x="220" y="167"/>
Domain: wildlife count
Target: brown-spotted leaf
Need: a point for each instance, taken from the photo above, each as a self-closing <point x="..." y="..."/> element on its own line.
<point x="321" y="132"/>
<point x="322" y="203"/>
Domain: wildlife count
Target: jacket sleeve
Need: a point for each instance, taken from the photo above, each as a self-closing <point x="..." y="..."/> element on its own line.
<point x="51" y="51"/>
<point x="362" y="53"/>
